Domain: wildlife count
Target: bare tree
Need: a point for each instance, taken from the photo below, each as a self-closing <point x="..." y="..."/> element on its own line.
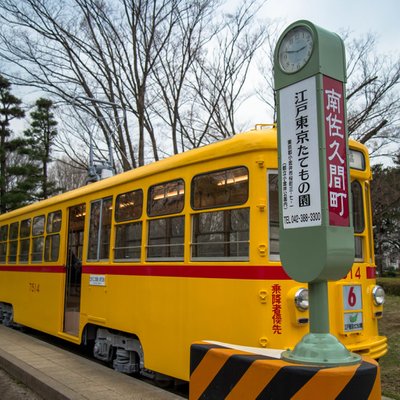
<point x="373" y="95"/>
<point x="175" y="70"/>
<point x="68" y="174"/>
<point x="135" y="67"/>
<point x="97" y="56"/>
<point x="55" y="50"/>
<point x="76" y="132"/>
<point x="219" y="77"/>
<point x="265" y="61"/>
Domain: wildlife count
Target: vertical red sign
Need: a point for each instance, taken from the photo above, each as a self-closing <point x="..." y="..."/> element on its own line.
<point x="336" y="160"/>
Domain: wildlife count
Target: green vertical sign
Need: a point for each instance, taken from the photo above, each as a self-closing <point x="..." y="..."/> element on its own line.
<point x="316" y="229"/>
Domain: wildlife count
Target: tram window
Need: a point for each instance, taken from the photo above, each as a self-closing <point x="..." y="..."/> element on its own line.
<point x="3" y="243"/>
<point x="166" y="198"/>
<point x="221" y="234"/>
<point x="24" y="244"/>
<point x="273" y="215"/>
<point x="25" y="230"/>
<point x="100" y="229"/>
<point x="128" y="241"/>
<point x="54" y="222"/>
<point x="358" y="245"/>
<point x="3" y="252"/>
<point x="76" y="225"/>
<point x="38" y="225"/>
<point x="3" y="233"/>
<point x="358" y="219"/>
<point x="166" y="239"/>
<point x="24" y="250"/>
<point x="38" y="238"/>
<point x="129" y="206"/>
<point x="94" y="228"/>
<point x="52" y="242"/>
<point x="52" y="247"/>
<point x="13" y="243"/>
<point x="14" y="229"/>
<point x="12" y="251"/>
<point x="358" y="208"/>
<point x="220" y="188"/>
<point x="357" y="159"/>
<point x="37" y="249"/>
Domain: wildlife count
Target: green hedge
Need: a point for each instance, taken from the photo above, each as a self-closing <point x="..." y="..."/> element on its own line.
<point x="391" y="285"/>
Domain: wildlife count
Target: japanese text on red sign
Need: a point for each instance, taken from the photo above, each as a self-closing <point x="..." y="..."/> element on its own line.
<point x="338" y="198"/>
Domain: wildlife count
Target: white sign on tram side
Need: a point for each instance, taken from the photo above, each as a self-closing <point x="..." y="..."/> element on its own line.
<point x="97" y="280"/>
<point x="300" y="166"/>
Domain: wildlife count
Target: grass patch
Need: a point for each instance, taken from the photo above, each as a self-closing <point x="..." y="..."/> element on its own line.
<point x="389" y="326"/>
<point x="391" y="285"/>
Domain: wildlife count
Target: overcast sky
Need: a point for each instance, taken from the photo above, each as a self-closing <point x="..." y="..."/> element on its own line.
<point x="360" y="16"/>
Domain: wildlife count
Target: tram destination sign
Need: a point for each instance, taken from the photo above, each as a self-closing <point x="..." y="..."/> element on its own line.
<point x="300" y="170"/>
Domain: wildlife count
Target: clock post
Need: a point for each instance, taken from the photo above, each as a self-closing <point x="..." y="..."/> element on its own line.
<point x="316" y="227"/>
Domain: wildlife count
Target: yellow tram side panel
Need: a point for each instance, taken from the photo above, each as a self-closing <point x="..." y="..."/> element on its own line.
<point x="169" y="313"/>
<point x="37" y="298"/>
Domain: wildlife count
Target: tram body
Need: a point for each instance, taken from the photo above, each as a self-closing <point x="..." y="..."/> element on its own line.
<point x="147" y="262"/>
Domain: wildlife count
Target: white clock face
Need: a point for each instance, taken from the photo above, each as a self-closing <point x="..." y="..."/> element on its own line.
<point x="295" y="49"/>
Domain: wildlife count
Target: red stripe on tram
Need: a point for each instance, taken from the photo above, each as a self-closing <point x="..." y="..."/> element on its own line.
<point x="33" y="268"/>
<point x="183" y="271"/>
<point x="257" y="272"/>
<point x="192" y="271"/>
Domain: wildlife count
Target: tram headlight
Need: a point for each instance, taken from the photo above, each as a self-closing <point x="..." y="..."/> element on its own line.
<point x="378" y="294"/>
<point x="301" y="299"/>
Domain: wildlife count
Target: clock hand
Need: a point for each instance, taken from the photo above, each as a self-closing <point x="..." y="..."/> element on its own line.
<point x="300" y="49"/>
<point x="295" y="51"/>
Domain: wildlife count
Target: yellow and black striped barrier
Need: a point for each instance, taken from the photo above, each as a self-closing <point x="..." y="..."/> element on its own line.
<point x="219" y="372"/>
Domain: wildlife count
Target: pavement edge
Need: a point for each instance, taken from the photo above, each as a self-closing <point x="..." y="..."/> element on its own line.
<point x="43" y="385"/>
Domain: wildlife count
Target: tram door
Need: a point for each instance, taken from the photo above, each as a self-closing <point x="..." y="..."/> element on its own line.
<point x="72" y="303"/>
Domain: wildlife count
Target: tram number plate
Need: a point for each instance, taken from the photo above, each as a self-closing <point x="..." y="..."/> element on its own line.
<point x="352" y="301"/>
<point x="97" y="280"/>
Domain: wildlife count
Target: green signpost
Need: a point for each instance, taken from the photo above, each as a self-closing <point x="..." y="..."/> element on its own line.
<point x="316" y="228"/>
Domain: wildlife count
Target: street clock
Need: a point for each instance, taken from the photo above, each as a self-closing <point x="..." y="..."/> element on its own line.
<point x="316" y="235"/>
<point x="295" y="49"/>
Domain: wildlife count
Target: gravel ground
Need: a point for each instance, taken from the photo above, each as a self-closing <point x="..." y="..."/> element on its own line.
<point x="10" y="389"/>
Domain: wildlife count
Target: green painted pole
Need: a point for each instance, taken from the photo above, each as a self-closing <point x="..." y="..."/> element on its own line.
<point x="319" y="308"/>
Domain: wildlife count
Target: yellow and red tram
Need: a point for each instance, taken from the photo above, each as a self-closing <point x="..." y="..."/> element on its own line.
<point x="147" y="262"/>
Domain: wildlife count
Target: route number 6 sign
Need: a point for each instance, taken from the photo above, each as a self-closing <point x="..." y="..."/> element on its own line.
<point x="352" y="301"/>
